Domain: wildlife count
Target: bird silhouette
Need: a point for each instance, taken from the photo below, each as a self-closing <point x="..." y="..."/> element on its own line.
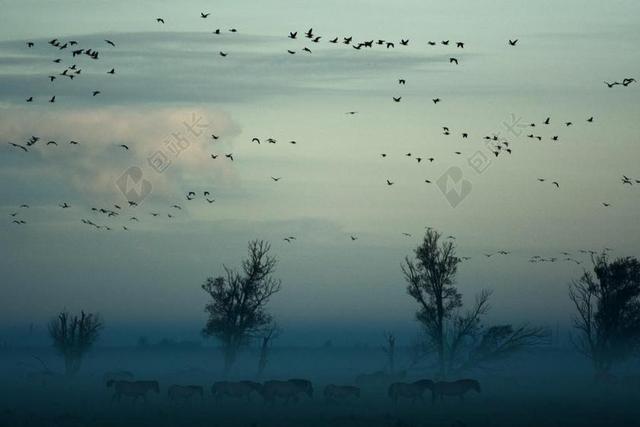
<point x="110" y="42"/>
<point x="223" y="54"/>
<point x="53" y="99"/>
<point x="126" y="147"/>
<point x="453" y="60"/>
<point x="389" y="183"/>
<point x="204" y="15"/>
<point x="293" y="35"/>
<point x="160" y="20"/>
<point x="513" y="42"/>
<point x="22" y="147"/>
<point x="229" y="156"/>
<point x="276" y="179"/>
<point x="436" y="100"/>
<point x="112" y="71"/>
<point x="397" y="99"/>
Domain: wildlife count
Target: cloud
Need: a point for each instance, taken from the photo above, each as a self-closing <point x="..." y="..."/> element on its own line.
<point x="187" y="67"/>
<point x="92" y="167"/>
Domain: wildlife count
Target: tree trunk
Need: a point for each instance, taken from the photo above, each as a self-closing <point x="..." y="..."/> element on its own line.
<point x="230" y="353"/>
<point x="264" y="356"/>
<point x="440" y="338"/>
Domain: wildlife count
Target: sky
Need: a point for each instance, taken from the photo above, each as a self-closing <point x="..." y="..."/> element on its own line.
<point x="172" y="89"/>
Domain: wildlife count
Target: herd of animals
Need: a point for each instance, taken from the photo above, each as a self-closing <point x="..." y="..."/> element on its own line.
<point x="125" y="386"/>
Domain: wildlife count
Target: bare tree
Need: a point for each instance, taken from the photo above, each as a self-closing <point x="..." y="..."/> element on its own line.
<point x="390" y="350"/>
<point x="73" y="337"/>
<point x="458" y="338"/>
<point x="271" y="332"/>
<point x="607" y="302"/>
<point x="237" y="310"/>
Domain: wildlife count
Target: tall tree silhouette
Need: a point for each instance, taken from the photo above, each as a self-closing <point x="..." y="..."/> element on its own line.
<point x="73" y="337"/>
<point x="269" y="333"/>
<point x="390" y="350"/>
<point x="458" y="337"/>
<point x="237" y="310"/>
<point x="607" y="302"/>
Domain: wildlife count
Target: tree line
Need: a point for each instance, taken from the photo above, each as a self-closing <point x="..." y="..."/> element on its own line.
<point x="606" y="320"/>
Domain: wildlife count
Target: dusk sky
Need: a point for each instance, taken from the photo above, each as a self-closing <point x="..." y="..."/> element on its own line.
<point x="146" y="280"/>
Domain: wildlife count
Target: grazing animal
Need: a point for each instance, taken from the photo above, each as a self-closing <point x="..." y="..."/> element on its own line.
<point x="413" y="391"/>
<point x="134" y="389"/>
<point x="334" y="393"/>
<point x="454" y="388"/>
<point x="379" y="379"/>
<point x="185" y="392"/>
<point x="117" y="376"/>
<point x="287" y="390"/>
<point x="236" y="390"/>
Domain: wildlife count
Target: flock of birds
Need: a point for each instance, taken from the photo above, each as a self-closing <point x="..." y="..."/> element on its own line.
<point x="498" y="145"/>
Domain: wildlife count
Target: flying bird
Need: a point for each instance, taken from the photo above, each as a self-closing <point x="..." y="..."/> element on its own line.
<point x="22" y="147"/>
<point x="204" y="15"/>
<point x="110" y="42"/>
<point x="160" y="20"/>
<point x="513" y="42"/>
